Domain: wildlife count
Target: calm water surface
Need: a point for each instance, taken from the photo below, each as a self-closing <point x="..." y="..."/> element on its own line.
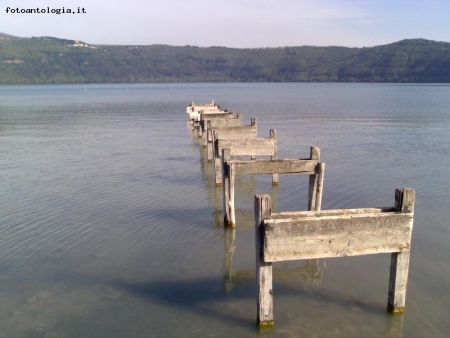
<point x="110" y="224"/>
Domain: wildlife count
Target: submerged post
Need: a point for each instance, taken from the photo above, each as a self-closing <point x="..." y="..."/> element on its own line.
<point x="398" y="278"/>
<point x="263" y="209"/>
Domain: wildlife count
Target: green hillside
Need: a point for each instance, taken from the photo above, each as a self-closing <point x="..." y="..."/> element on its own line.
<point x="47" y="60"/>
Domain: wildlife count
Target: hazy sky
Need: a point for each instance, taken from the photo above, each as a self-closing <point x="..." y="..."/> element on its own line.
<point x="233" y="23"/>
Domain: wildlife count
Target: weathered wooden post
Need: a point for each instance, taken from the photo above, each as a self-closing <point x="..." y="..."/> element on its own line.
<point x="273" y="135"/>
<point x="315" y="182"/>
<point x="231" y="177"/>
<point x="210" y="144"/>
<point x="398" y="278"/>
<point x="264" y="303"/>
<point x="253" y="124"/>
<point x="226" y="185"/>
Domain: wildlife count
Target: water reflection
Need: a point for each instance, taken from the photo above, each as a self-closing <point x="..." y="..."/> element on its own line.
<point x="394" y="326"/>
<point x="310" y="275"/>
<point x="229" y="238"/>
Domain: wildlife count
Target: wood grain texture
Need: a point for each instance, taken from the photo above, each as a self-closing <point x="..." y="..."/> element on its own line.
<point x="236" y="132"/>
<point x="336" y="236"/>
<point x="248" y="146"/>
<point x="275" y="167"/>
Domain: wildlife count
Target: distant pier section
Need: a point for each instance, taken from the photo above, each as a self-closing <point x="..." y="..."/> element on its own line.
<point x="194" y="111"/>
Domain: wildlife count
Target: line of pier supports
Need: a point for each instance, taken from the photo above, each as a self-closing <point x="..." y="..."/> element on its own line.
<point x="311" y="234"/>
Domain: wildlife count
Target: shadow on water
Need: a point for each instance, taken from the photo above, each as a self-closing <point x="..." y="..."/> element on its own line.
<point x="205" y="297"/>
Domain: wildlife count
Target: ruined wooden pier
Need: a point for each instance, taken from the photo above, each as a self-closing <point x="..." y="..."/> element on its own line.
<point x="333" y="233"/>
<point x="310" y="235"/>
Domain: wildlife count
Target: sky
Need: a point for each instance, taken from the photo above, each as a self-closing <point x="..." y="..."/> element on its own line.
<point x="232" y="23"/>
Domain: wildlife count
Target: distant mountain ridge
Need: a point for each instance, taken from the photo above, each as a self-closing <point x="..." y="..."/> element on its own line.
<point x="48" y="60"/>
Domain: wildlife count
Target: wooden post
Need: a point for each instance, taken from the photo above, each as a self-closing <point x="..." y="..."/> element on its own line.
<point x="264" y="305"/>
<point x="232" y="176"/>
<point x="319" y="186"/>
<point x="204" y="125"/>
<point x="273" y="134"/>
<point x="210" y="144"/>
<point x="398" y="278"/>
<point x="200" y="126"/>
<point x="218" y="171"/>
<point x="314" y="180"/>
<point x="253" y="124"/>
<point x="226" y="186"/>
<point x="217" y="160"/>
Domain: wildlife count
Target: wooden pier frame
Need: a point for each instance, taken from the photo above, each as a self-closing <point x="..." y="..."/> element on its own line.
<point x="333" y="233"/>
<point x="252" y="147"/>
<point x="196" y="122"/>
<point x="226" y="132"/>
<point x="211" y="121"/>
<point x="311" y="166"/>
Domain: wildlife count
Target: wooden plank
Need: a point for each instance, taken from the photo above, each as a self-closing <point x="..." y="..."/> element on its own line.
<point x="264" y="304"/>
<point x="215" y="114"/>
<point x="248" y="146"/>
<point x="236" y="132"/>
<point x="224" y="122"/>
<point x="336" y="236"/>
<point x="212" y="111"/>
<point x="275" y="167"/>
<point x="334" y="212"/>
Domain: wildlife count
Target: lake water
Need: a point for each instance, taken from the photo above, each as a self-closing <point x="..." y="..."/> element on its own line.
<point x="111" y="226"/>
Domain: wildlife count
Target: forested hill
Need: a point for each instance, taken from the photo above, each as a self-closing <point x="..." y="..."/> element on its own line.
<point x="47" y="60"/>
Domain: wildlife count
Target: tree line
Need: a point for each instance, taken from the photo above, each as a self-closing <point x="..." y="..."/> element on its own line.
<point x="47" y="60"/>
